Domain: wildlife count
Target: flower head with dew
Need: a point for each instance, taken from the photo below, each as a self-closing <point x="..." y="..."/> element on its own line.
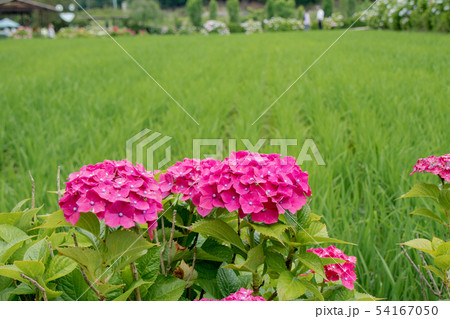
<point x="260" y="185"/>
<point x="118" y="192"/>
<point x="437" y="165"/>
<point x="241" y="295"/>
<point x="343" y="271"/>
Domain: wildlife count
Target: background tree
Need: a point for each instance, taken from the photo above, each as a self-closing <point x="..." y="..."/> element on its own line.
<point x="233" y="10"/>
<point x="301" y="13"/>
<point x="195" y="10"/>
<point x="213" y="9"/>
<point x="270" y="8"/>
<point x="145" y="13"/>
<point x="327" y="6"/>
<point x="285" y="8"/>
<point x="351" y="7"/>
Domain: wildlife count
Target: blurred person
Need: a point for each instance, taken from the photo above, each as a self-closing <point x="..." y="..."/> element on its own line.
<point x="51" y="31"/>
<point x="307" y="20"/>
<point x="320" y="16"/>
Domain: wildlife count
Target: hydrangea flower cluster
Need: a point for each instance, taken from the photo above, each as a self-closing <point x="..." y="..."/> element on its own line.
<point x="262" y="185"/>
<point x="241" y="295"/>
<point x="439" y="166"/>
<point x="334" y="272"/>
<point x="117" y="191"/>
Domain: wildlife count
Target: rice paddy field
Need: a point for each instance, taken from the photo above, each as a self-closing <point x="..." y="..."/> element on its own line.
<point x="373" y="104"/>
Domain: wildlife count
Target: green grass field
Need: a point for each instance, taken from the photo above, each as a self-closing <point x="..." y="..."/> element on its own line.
<point x="373" y="104"/>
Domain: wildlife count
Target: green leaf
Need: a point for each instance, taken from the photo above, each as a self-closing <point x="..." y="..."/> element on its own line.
<point x="87" y="221"/>
<point x="12" y="234"/>
<point x="436" y="271"/>
<point x="74" y="287"/>
<point x="255" y="258"/>
<point x="59" y="267"/>
<point x="31" y="268"/>
<point x="37" y="251"/>
<point x="444" y="199"/>
<point x="19" y="205"/>
<point x="275" y="264"/>
<point x="126" y="245"/>
<point x="11" y="271"/>
<point x="443" y="248"/>
<point x="134" y="285"/>
<point x="289" y="287"/>
<point x="331" y="261"/>
<point x="443" y="262"/>
<point x="273" y="231"/>
<point x="88" y="258"/>
<point x="303" y="238"/>
<point x="218" y="229"/>
<point x="227" y="281"/>
<point x="340" y="293"/>
<point x="421" y="244"/>
<point x="149" y="264"/>
<point x="436" y="242"/>
<point x="166" y="289"/>
<point x="9" y="249"/>
<point x="211" y="287"/>
<point x="212" y="247"/>
<point x="427" y="213"/>
<point x="421" y="189"/>
<point x="313" y="262"/>
<point x="314" y="290"/>
<point x="23" y="289"/>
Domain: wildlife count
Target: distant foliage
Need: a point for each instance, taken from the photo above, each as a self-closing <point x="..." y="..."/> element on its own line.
<point x="195" y="10"/>
<point x="233" y="10"/>
<point x="145" y="13"/>
<point x="301" y="13"/>
<point x="327" y="6"/>
<point x="213" y="10"/>
<point x="270" y="8"/>
<point x="285" y="8"/>
<point x="351" y="8"/>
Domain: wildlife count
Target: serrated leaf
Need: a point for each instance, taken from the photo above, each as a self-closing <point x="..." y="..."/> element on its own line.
<point x="273" y="231"/>
<point x="37" y="251"/>
<point x="149" y="264"/>
<point x="331" y="261"/>
<point x="31" y="268"/>
<point x="340" y="293"/>
<point x="87" y="221"/>
<point x="314" y="290"/>
<point x="88" y="258"/>
<point x="19" y="205"/>
<point x="227" y="281"/>
<point x="166" y="289"/>
<point x="421" y="244"/>
<point x="275" y="263"/>
<point x="443" y="262"/>
<point x="255" y="258"/>
<point x="11" y="271"/>
<point x="289" y="287"/>
<point x="74" y="287"/>
<point x="444" y="198"/>
<point x="421" y="189"/>
<point x="425" y="212"/>
<point x="218" y="229"/>
<point x="313" y="262"/>
<point x="127" y="245"/>
<point x="436" y="242"/>
<point x="59" y="267"/>
<point x="12" y="234"/>
<point x="134" y="285"/>
<point x="23" y="289"/>
<point x="436" y="271"/>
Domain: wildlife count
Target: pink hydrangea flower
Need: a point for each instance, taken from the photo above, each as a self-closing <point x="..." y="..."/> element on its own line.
<point x="260" y="185"/>
<point x="117" y="191"/>
<point x="439" y="166"/>
<point x="241" y="295"/>
<point x="334" y="272"/>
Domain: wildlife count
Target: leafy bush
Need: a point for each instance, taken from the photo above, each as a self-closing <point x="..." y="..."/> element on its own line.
<point x="435" y="275"/>
<point x="280" y="24"/>
<point x="402" y="15"/>
<point x="213" y="10"/>
<point x="213" y="26"/>
<point x="270" y="9"/>
<point x="327" y="6"/>
<point x="205" y="230"/>
<point x="284" y="8"/>
<point x="301" y="13"/>
<point x="195" y="10"/>
<point x="236" y="28"/>
<point x="144" y="13"/>
<point x="233" y="10"/>
<point x="252" y="26"/>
